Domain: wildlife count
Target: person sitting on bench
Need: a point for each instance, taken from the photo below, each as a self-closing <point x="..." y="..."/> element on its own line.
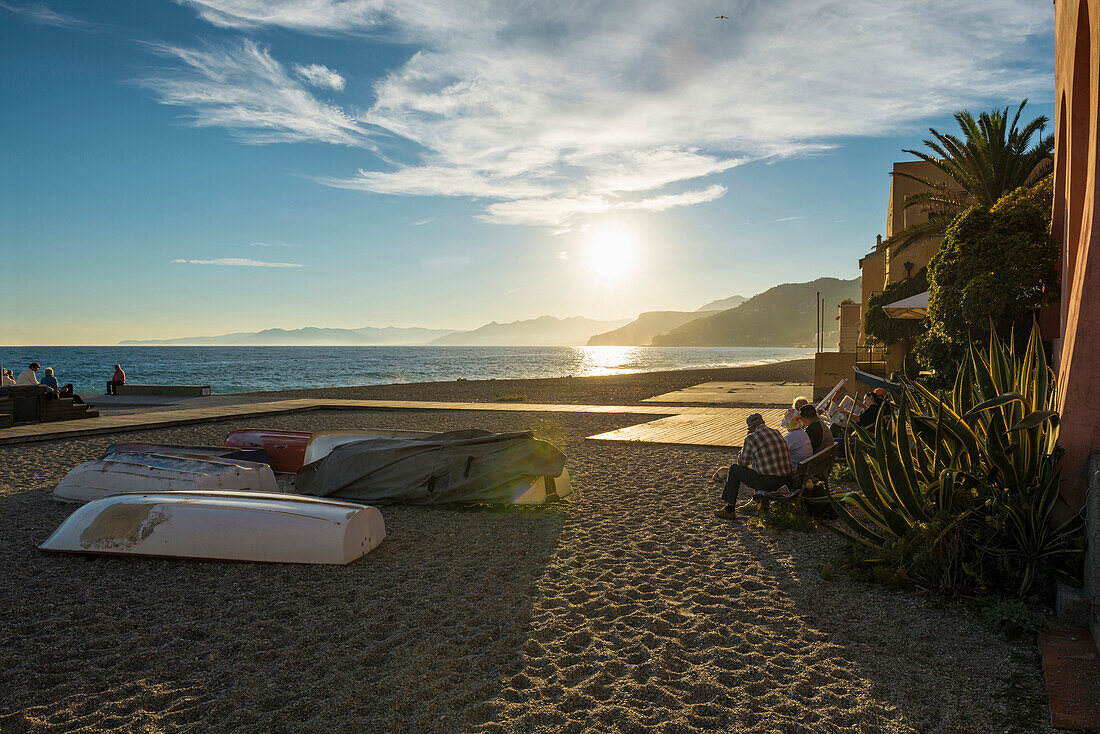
<point x="29" y="376"/>
<point x="7" y="378"/>
<point x="814" y="428"/>
<point x="62" y="392"/>
<point x="764" y="464"/>
<point x="118" y="379"/>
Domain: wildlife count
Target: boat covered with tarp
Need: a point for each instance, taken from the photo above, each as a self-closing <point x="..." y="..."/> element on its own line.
<point x="463" y="467"/>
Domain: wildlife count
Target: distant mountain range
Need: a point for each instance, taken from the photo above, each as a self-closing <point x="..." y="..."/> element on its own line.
<point x="543" y="331"/>
<point x="311" y="336"/>
<point x="641" y="330"/>
<point x="723" y="304"/>
<point x="782" y="316"/>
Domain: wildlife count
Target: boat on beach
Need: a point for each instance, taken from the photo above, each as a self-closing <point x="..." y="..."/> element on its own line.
<point x="323" y="442"/>
<point x="223" y="526"/>
<point x="286" y="450"/>
<point x="137" y="472"/>
<point x="258" y="456"/>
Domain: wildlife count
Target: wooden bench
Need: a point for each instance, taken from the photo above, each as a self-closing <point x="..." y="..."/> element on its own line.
<point x="30" y="404"/>
<point x="814" y="469"/>
<point x="180" y="391"/>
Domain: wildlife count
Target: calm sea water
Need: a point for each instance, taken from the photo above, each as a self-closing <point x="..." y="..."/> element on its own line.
<point x="247" y="369"/>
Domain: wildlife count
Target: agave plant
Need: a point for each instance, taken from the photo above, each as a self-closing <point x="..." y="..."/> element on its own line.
<point x="958" y="489"/>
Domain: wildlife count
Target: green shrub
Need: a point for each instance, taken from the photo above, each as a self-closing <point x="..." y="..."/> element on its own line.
<point x="782" y="516"/>
<point x="996" y="264"/>
<point x="1013" y="619"/>
<point x="957" y="490"/>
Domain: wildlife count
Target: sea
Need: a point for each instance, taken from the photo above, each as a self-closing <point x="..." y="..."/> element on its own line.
<point x="252" y="369"/>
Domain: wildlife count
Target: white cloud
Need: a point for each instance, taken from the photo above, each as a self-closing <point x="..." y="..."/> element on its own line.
<point x="44" y="15"/>
<point x="562" y="112"/>
<point x="422" y="222"/>
<point x="787" y="219"/>
<point x="243" y="262"/>
<point x="242" y="88"/>
<point x="272" y="244"/>
<point x="320" y="75"/>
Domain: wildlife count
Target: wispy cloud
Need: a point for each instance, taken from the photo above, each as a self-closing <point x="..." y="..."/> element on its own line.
<point x="787" y="219"/>
<point x="244" y="89"/>
<point x="272" y="244"/>
<point x="560" y="113"/>
<point x="242" y="262"/>
<point x="44" y="15"/>
<point x="320" y="75"/>
<point x="422" y="222"/>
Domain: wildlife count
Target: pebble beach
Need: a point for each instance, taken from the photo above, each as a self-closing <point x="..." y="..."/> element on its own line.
<point x="626" y="608"/>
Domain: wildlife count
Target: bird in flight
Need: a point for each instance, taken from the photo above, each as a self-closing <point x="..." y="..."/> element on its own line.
<point x="721" y="17"/>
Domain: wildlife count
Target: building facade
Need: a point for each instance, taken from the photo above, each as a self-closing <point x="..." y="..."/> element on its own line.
<point x="1077" y="348"/>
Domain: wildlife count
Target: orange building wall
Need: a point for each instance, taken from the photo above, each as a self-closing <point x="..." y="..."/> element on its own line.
<point x="1077" y="44"/>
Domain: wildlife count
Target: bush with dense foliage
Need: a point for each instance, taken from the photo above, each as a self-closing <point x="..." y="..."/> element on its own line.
<point x="891" y="331"/>
<point x="996" y="264"/>
<point x="957" y="490"/>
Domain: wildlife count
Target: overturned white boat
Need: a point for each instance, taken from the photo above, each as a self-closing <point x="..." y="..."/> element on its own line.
<point x="322" y="443"/>
<point x="544" y="489"/>
<point x="224" y="526"/>
<point x="139" y="472"/>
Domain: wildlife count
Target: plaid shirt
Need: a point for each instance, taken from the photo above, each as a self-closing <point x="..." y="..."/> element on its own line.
<point x="766" y="451"/>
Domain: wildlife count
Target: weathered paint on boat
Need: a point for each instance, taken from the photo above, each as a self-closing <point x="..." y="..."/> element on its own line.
<point x="286" y="449"/>
<point x="323" y="442"/>
<point x="545" y="488"/>
<point x="125" y="472"/>
<point x="258" y="456"/>
<point x="225" y="526"/>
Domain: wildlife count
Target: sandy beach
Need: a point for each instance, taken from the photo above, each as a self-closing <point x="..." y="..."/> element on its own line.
<point x="627" y="608"/>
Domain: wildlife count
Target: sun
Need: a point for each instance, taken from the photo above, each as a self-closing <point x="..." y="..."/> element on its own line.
<point x="610" y="252"/>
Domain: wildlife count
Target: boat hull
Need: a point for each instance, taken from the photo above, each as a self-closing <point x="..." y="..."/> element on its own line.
<point x="286" y="449"/>
<point x="323" y="442"/>
<point x="222" y="526"/>
<point x="126" y="472"/>
<point x="545" y="489"/>
<point x="257" y="456"/>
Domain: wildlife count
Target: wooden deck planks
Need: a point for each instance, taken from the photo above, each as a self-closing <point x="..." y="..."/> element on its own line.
<point x="726" y="428"/>
<point x="685" y="425"/>
<point x="737" y="393"/>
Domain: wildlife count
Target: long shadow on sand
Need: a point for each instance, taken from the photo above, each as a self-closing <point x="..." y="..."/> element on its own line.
<point x="410" y="638"/>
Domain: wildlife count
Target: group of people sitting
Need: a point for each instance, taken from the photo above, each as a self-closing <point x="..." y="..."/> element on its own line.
<point x="768" y="458"/>
<point x="29" y="376"/>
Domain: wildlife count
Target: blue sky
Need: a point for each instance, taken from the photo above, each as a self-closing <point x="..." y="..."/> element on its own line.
<point x="208" y="166"/>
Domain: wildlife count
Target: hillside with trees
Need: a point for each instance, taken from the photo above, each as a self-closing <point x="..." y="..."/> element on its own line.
<point x="783" y="316"/>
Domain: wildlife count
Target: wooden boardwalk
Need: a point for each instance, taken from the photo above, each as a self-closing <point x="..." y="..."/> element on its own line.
<point x="726" y="428"/>
<point x="737" y="393"/>
<point x="686" y="425"/>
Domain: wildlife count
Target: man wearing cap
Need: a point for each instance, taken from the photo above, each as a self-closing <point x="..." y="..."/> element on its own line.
<point x="764" y="464"/>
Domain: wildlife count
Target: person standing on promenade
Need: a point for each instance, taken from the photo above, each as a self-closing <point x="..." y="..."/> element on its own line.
<point x="118" y="379"/>
<point x="764" y="464"/>
<point x="814" y="428"/>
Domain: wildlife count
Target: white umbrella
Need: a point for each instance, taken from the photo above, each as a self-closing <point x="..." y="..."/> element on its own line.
<point x="913" y="307"/>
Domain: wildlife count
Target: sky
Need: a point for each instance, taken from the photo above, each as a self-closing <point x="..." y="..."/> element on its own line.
<point x="201" y="167"/>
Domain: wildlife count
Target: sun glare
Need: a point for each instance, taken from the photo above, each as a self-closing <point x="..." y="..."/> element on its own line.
<point x="611" y="253"/>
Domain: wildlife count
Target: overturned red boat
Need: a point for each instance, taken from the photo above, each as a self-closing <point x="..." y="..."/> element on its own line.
<point x="285" y="449"/>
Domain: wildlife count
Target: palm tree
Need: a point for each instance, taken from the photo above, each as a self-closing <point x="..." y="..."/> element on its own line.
<point x="993" y="160"/>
